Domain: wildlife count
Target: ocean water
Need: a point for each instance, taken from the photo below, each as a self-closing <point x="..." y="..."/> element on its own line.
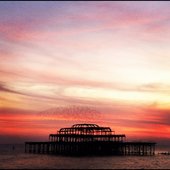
<point x="16" y="159"/>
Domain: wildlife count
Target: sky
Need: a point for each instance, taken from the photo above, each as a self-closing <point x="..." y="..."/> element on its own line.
<point x="103" y="62"/>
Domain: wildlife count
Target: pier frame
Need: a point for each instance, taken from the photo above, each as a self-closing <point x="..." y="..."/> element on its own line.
<point x="89" y="139"/>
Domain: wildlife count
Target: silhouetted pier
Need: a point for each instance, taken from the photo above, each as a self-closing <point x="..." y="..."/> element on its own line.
<point x="89" y="139"/>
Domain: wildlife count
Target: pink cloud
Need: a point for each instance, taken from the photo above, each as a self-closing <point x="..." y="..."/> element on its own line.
<point x="99" y="17"/>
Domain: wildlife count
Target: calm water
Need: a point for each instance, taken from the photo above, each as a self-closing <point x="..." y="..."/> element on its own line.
<point x="17" y="159"/>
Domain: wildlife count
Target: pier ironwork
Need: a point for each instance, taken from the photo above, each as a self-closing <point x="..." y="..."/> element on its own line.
<point x="89" y="139"/>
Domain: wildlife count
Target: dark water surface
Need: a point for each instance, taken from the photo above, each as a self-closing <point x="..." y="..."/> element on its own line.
<point x="15" y="158"/>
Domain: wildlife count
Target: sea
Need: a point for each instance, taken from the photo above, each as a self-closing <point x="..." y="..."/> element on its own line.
<point x="13" y="157"/>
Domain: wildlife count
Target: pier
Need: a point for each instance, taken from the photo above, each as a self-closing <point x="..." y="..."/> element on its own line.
<point x="89" y="139"/>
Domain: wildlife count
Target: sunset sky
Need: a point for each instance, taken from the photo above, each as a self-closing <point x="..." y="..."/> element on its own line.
<point x="99" y="62"/>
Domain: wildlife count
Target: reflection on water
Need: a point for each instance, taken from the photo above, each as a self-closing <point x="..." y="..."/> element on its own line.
<point x="16" y="159"/>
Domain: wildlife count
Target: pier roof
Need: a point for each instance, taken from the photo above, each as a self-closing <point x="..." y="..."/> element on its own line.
<point x="86" y="127"/>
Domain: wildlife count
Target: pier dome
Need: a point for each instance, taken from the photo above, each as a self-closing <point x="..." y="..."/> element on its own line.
<point x="84" y="125"/>
<point x="86" y="129"/>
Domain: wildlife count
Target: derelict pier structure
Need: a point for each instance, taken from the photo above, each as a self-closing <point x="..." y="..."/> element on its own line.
<point x="89" y="139"/>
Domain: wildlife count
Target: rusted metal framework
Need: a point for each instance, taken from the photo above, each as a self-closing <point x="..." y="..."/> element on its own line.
<point x="86" y="129"/>
<point x="89" y="139"/>
<point x="84" y="133"/>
